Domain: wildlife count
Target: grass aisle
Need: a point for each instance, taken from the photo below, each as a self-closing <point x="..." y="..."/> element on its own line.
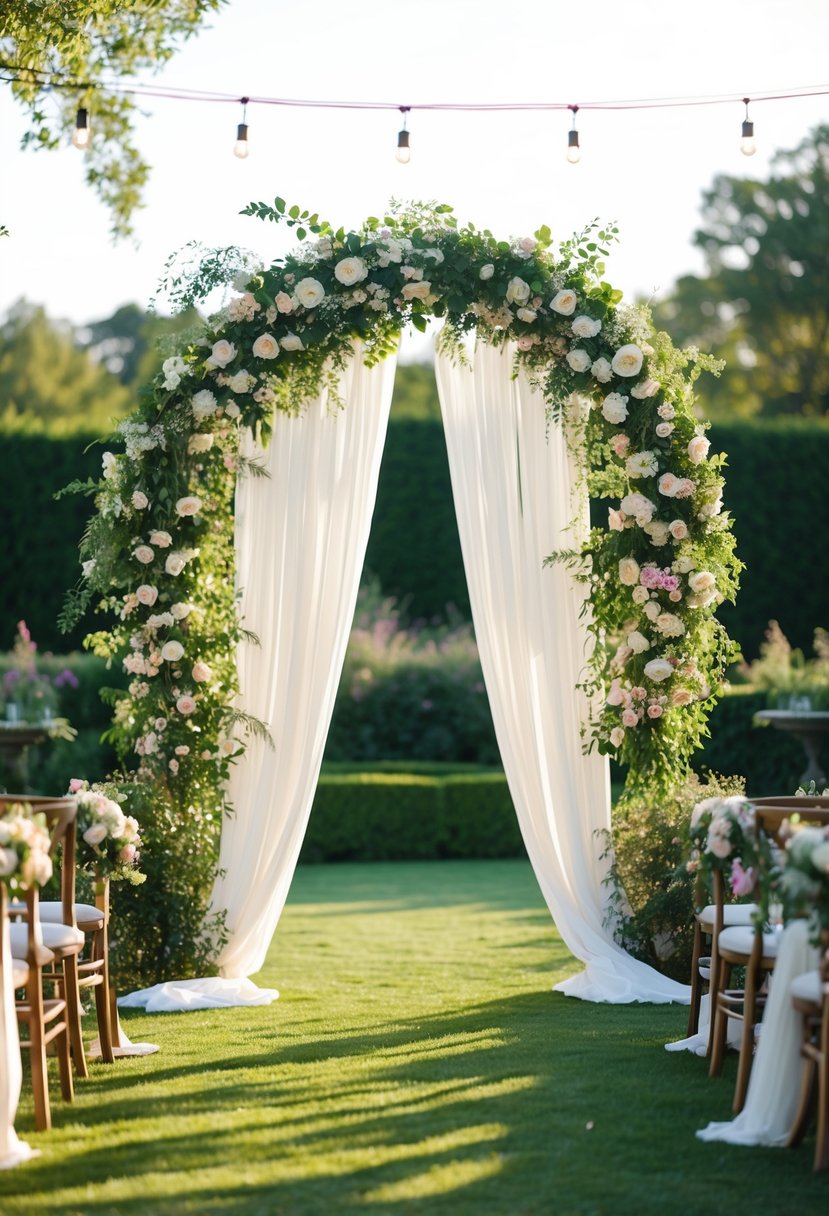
<point x="416" y="1062"/>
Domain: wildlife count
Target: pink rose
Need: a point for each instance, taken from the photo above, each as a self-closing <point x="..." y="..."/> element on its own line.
<point x="76" y="784"/>
<point x="743" y="881"/>
<point x="630" y="718"/>
<point x="128" y="854"/>
<point x="143" y="554"/>
<point x="140" y="500"/>
<point x="615" y="695"/>
<point x="615" y="519"/>
<point x="681" y="696"/>
<point x="719" y="845"/>
<point x="162" y="540"/>
<point x="678" y="529"/>
<point x="201" y="672"/>
<point x="698" y="449"/>
<point x="667" y="485"/>
<point x="186" y="704"/>
<point x="146" y="594"/>
<point x="654" y="711"/>
<point x="684" y="488"/>
<point x="284" y="303"/>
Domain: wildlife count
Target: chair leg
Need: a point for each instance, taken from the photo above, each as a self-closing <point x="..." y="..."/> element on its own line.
<point x="104" y="1025"/>
<point x="719" y="1020"/>
<point x="696" y="983"/>
<point x="67" y="1088"/>
<point x="804" y="1104"/>
<point x="114" y="1024"/>
<point x="72" y="996"/>
<point x="37" y="1054"/>
<point x="746" y="1045"/>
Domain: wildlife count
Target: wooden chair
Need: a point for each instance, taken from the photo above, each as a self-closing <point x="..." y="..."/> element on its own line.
<point x="754" y="949"/>
<point x="44" y="1020"/>
<point x="60" y="933"/>
<point x="810" y="996"/>
<point x="709" y="923"/>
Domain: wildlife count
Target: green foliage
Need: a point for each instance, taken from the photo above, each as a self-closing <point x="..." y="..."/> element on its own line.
<point x="768" y="760"/>
<point x="783" y="672"/>
<point x="764" y="303"/>
<point x="374" y="816"/>
<point x="415" y="397"/>
<point x="50" y="386"/>
<point x="652" y="892"/>
<point x="85" y="46"/>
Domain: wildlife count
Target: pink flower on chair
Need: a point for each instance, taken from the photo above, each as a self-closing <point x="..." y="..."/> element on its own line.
<point x="743" y="881"/>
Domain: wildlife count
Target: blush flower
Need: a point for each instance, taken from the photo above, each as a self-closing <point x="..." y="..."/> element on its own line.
<point x="564" y="302"/>
<point x="265" y="347"/>
<point x="627" y="361"/>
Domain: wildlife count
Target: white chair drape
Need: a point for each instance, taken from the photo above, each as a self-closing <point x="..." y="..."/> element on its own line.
<point x="12" y="1150"/>
<point x="513" y="484"/>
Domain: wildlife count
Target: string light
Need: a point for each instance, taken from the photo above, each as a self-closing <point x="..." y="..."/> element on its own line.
<point x="241" y="148"/>
<point x="573" y="149"/>
<point x="404" y="154"/>
<point x="747" y="144"/>
<point x="80" y="136"/>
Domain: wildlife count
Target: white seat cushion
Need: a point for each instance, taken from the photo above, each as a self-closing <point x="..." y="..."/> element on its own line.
<point x="20" y="973"/>
<point x="732" y="914"/>
<point x="807" y="987"/>
<point x="55" y="937"/>
<point x="87" y="916"/>
<point x="740" y="939"/>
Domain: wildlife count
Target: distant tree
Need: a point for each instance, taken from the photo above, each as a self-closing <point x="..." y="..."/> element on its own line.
<point x="415" y="392"/>
<point x="68" y="49"/>
<point x="764" y="303"/>
<point x="48" y="384"/>
<point x="132" y="343"/>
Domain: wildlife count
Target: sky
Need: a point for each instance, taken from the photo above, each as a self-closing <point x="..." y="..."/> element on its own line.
<point x="644" y="169"/>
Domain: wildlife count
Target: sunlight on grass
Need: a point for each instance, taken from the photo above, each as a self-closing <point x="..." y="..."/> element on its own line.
<point x="439" y="1180"/>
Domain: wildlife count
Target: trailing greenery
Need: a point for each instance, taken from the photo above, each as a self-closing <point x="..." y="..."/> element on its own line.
<point x="415" y="1062"/>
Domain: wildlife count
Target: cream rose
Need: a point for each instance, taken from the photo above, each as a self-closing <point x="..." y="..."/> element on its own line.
<point x="161" y="539"/>
<point x="586" y="327"/>
<point x="678" y="529"/>
<point x="309" y="292"/>
<point x="698" y="449"/>
<point x="669" y="625"/>
<point x="140" y="500"/>
<point x="701" y="580"/>
<point x="627" y="361"/>
<point x="143" y="554"/>
<point x="629" y="571"/>
<point x="658" y="670"/>
<point x="265" y="347"/>
<point x="601" y="371"/>
<point x="175" y="563"/>
<point x="667" y="485"/>
<point x="564" y="302"/>
<point x="416" y="291"/>
<point x="291" y="342"/>
<point x="617" y="736"/>
<point x="146" y="594"/>
<point x="658" y="532"/>
<point x="681" y="696"/>
<point x="190" y="505"/>
<point x="221" y="353"/>
<point x="518" y="291"/>
<point x="349" y="271"/>
<point x="171" y="652"/>
<point x="526" y="314"/>
<point x="186" y="705"/>
<point x="486" y="271"/>
<point x="201" y="672"/>
<point x="641" y="595"/>
<point x="663" y="429"/>
<point x="284" y="303"/>
<point x="180" y="611"/>
<point x="645" y="388"/>
<point x="95" y="834"/>
<point x="579" y="360"/>
<point x="651" y="609"/>
<point x="199" y="443"/>
<point x="638" y="642"/>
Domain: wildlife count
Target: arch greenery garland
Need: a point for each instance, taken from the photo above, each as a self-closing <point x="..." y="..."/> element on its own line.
<point x="158" y="556"/>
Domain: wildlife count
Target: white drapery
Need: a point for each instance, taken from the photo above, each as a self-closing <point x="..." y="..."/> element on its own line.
<point x="12" y="1150"/>
<point x="513" y="484"/>
<point x="301" y="537"/>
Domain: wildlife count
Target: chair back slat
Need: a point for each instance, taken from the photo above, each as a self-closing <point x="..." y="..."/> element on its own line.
<point x="60" y="815"/>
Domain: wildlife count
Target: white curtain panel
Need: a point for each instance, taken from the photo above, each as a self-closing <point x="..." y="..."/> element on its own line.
<point x="301" y="537"/>
<point x="513" y="484"/>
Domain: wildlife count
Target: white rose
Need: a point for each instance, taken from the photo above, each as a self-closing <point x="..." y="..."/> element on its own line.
<point x="140" y="500"/>
<point x="95" y="834"/>
<point x="638" y="642"/>
<point x="173" y="369"/>
<point x="486" y="272"/>
<point x="698" y="449"/>
<point x="110" y="465"/>
<point x="526" y="314"/>
<point x="663" y="429"/>
<point x="291" y="342"/>
<point x="651" y="609"/>
<point x="641" y="464"/>
<point x="265" y="347"/>
<point x="564" y="302"/>
<point x="678" y="529"/>
<point x="180" y="611"/>
<point x="602" y="371"/>
<point x="8" y="862"/>
<point x="586" y="327"/>
<point x="349" y="271"/>
<point x="203" y="404"/>
<point x="627" y="361"/>
<point x="702" y="580"/>
<point x="658" y="670"/>
<point x="669" y="625"/>
<point x="175" y="563"/>
<point x="641" y="595"/>
<point x="199" y="443"/>
<point x="161" y="539"/>
<point x="309" y="292"/>
<point x="579" y="360"/>
<point x="629" y="571"/>
<point x="617" y="736"/>
<point x="645" y="388"/>
<point x="88" y="567"/>
<point x="146" y="594"/>
<point x="241" y="382"/>
<point x="189" y="505"/>
<point x="658" y="532"/>
<point x="171" y="652"/>
<point x="416" y="291"/>
<point x="518" y="291"/>
<point x="222" y="353"/>
<point x="614" y="408"/>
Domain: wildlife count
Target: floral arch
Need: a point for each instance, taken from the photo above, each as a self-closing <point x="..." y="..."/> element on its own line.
<point x="158" y="554"/>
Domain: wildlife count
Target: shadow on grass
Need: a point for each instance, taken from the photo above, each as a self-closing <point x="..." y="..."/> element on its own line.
<point x="534" y="1103"/>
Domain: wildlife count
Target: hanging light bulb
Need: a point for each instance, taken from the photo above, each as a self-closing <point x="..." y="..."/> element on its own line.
<point x="404" y="154"/>
<point x="241" y="147"/>
<point x="748" y="145"/>
<point x="80" y="136"/>
<point x="573" y="149"/>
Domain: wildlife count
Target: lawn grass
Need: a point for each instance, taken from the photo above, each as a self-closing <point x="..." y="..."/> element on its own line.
<point x="416" y="1062"/>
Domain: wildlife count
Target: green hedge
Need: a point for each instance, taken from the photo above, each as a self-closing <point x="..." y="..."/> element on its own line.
<point x="770" y="761"/>
<point x="373" y="816"/>
<point x="776" y="478"/>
